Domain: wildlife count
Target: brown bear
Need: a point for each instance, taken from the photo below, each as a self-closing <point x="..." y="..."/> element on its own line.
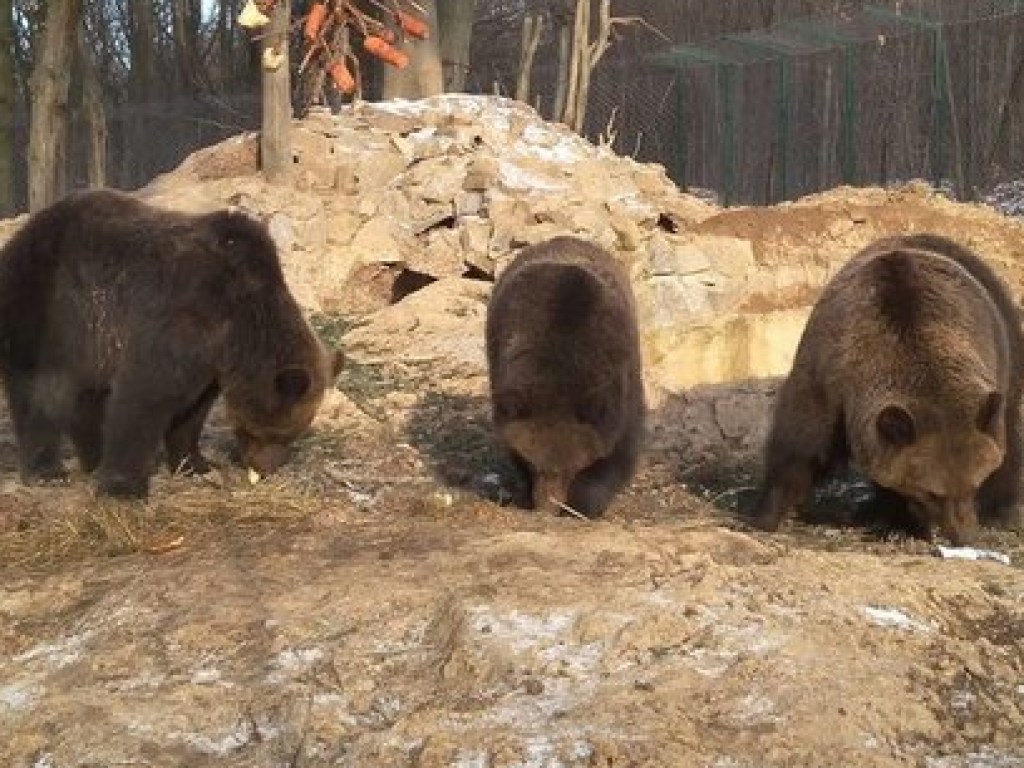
<point x="911" y="367"/>
<point x="120" y="323"/>
<point x="565" y="375"/>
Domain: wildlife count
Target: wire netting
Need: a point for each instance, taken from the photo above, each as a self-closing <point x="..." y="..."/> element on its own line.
<point x="876" y="95"/>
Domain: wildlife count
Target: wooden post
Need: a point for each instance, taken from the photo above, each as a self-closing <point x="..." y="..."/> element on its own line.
<point x="275" y="137"/>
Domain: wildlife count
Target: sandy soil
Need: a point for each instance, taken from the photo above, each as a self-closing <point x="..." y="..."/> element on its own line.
<point x="376" y="605"/>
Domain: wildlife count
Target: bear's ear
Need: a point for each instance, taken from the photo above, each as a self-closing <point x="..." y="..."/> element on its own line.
<point x="895" y="425"/>
<point x="292" y="383"/>
<point x="510" y="405"/>
<point x="989" y="412"/>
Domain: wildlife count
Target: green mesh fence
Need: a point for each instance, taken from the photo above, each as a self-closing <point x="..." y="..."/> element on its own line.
<point x="933" y="90"/>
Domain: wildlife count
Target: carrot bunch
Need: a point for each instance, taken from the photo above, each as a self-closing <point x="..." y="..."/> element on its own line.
<point x="330" y="25"/>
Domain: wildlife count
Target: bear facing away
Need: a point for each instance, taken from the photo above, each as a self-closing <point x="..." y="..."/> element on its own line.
<point x="120" y="323"/>
<point x="565" y="374"/>
<point x="911" y="367"/>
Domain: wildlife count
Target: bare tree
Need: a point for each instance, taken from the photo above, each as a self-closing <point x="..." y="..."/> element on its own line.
<point x="7" y="97"/>
<point x="47" y="143"/>
<point x="584" y="53"/>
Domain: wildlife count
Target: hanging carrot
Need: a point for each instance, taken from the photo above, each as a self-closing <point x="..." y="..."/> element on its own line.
<point x="412" y="26"/>
<point x="315" y="20"/>
<point x="341" y="77"/>
<point x="386" y="52"/>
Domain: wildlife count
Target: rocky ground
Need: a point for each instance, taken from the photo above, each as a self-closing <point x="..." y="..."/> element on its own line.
<point x="378" y="603"/>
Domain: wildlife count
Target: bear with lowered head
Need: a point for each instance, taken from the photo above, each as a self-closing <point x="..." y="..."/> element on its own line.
<point x="910" y="366"/>
<point x="121" y="323"/>
<point x="564" y="363"/>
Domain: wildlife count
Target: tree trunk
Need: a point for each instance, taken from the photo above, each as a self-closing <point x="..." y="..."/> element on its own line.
<point x="185" y="15"/>
<point x="423" y="77"/>
<point x="562" y="85"/>
<point x="7" y="95"/>
<point x="141" y="84"/>
<point x="583" y="57"/>
<point x="95" y="116"/>
<point x="49" y="86"/>
<point x="455" y="33"/>
<point x="577" y="45"/>
<point x="275" y="137"/>
<point x="533" y="25"/>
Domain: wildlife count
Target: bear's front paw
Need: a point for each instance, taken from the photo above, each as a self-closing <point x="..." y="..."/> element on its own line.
<point x="765" y="519"/>
<point x="193" y="464"/>
<point x="121" y="486"/>
<point x="45" y="474"/>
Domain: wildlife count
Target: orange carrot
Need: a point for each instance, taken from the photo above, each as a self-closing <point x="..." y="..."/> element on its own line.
<point x="341" y="77"/>
<point x="315" y="20"/>
<point x="412" y="26"/>
<point x="386" y="52"/>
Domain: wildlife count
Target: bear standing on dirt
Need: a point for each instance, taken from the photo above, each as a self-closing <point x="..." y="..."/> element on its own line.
<point x="565" y="373"/>
<point x="911" y="365"/>
<point x="119" y="325"/>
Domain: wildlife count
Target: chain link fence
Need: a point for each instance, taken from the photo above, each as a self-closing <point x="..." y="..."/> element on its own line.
<point x="876" y="95"/>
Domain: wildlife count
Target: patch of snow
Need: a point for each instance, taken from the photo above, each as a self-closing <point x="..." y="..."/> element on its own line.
<point x="971" y="553"/>
<point x="45" y="760"/>
<point x="514" y="178"/>
<point x="539" y="752"/>
<point x="581" y="750"/>
<point x="291" y="662"/>
<point x="985" y="759"/>
<point x="579" y="659"/>
<point x="472" y="760"/>
<point x="220" y="746"/>
<point x="19" y="696"/>
<point x="145" y="681"/>
<point x="894" y="618"/>
<point x="231" y="741"/>
<point x="59" y="654"/>
<point x="754" y="709"/>
<point x="730" y="641"/>
<point x="520" y="630"/>
<point x="962" y="700"/>
<point x="206" y="676"/>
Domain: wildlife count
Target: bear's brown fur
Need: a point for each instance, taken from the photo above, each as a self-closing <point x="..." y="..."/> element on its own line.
<point x="565" y="373"/>
<point x="120" y="323"/>
<point x="911" y="367"/>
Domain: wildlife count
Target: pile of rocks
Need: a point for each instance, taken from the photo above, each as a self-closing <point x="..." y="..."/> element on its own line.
<point x="435" y="196"/>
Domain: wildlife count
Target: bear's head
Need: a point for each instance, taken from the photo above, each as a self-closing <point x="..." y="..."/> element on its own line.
<point x="269" y="417"/>
<point x="938" y="456"/>
<point x="557" y="443"/>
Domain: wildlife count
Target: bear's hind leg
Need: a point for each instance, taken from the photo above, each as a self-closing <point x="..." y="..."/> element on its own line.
<point x="85" y="428"/>
<point x="36" y="429"/>
<point x="999" y="496"/>
<point x="137" y="417"/>
<point x="805" y="441"/>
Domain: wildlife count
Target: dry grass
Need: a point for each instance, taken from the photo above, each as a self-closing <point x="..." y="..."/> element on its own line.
<point x="47" y="527"/>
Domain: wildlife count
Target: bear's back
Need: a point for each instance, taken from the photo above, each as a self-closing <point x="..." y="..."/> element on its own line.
<point x="567" y="294"/>
<point x="899" y="313"/>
